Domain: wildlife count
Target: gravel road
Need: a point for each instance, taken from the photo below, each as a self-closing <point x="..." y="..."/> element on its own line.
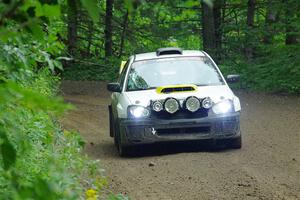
<point x="267" y="166"/>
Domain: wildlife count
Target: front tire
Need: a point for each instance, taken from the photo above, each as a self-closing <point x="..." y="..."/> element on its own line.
<point x="111" y="122"/>
<point x="235" y="143"/>
<point x="116" y="135"/>
<point x="122" y="150"/>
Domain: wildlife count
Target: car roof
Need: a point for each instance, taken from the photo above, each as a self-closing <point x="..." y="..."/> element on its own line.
<point x="153" y="55"/>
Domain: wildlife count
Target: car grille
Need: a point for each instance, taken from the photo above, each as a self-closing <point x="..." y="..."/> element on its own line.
<point x="181" y="114"/>
<point x="226" y="127"/>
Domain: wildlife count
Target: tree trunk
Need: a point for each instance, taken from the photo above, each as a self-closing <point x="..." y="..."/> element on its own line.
<point x="271" y="18"/>
<point x="250" y="24"/>
<point x="208" y="30"/>
<point x="124" y="29"/>
<point x="72" y="26"/>
<point x="291" y="14"/>
<point x="251" y="13"/>
<point x="108" y="28"/>
<point x="90" y="37"/>
<point x="217" y="16"/>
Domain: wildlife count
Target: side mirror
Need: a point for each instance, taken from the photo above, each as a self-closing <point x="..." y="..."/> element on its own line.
<point x="114" y="87"/>
<point x="233" y="78"/>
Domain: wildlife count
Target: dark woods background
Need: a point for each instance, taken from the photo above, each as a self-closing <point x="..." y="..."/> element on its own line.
<point x="257" y="38"/>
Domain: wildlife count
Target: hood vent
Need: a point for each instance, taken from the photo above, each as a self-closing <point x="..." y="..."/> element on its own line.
<point x="172" y="89"/>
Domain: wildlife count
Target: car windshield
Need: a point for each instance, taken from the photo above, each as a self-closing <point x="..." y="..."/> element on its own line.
<point x="149" y="74"/>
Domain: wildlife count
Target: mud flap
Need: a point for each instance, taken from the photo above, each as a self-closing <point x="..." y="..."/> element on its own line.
<point x="111" y="125"/>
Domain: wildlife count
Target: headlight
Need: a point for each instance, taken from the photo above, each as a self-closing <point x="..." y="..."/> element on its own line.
<point x="138" y="111"/>
<point x="192" y="104"/>
<point x="171" y="105"/>
<point x="157" y="106"/>
<point x="207" y="103"/>
<point x="223" y="107"/>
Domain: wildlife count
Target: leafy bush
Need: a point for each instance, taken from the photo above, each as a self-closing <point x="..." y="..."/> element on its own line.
<point x="278" y="70"/>
<point x="38" y="159"/>
<point x="103" y="70"/>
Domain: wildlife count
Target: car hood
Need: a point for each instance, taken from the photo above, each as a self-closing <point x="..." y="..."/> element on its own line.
<point x="216" y="93"/>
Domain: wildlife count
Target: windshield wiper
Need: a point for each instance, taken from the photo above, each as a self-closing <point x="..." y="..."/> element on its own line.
<point x="150" y="88"/>
<point x="140" y="89"/>
<point x="212" y="84"/>
<point x="203" y="84"/>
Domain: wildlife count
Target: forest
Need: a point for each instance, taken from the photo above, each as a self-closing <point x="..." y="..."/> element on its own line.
<point x="44" y="42"/>
<point x="257" y="39"/>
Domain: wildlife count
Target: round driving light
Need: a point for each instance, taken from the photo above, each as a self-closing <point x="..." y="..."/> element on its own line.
<point x="207" y="103"/>
<point x="171" y="105"/>
<point x="157" y="106"/>
<point x="192" y="104"/>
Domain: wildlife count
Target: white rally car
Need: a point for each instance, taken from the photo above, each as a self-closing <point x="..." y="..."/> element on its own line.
<point x="173" y="95"/>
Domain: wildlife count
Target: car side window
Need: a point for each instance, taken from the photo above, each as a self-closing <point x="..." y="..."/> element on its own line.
<point x="123" y="74"/>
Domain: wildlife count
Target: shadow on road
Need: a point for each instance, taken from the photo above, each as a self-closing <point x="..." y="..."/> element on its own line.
<point x="158" y="149"/>
<point x="175" y="148"/>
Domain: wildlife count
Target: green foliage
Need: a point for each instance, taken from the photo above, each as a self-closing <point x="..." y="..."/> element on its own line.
<point x="153" y="24"/>
<point x="106" y="70"/>
<point x="118" y="197"/>
<point x="92" y="8"/>
<point x="7" y="150"/>
<point x="279" y="74"/>
<point x="38" y="159"/>
<point x="275" y="65"/>
<point x="92" y="72"/>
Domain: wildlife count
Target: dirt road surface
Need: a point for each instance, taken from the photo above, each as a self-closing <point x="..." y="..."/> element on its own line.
<point x="267" y="166"/>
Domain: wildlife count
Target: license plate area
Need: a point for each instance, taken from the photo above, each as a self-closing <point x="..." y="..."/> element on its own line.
<point x="183" y="130"/>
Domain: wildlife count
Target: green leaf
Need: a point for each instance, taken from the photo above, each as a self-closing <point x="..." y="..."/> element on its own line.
<point x="49" y="61"/>
<point x="51" y="11"/>
<point x="58" y="64"/>
<point x="117" y="197"/>
<point x="37" y="30"/>
<point x="39" y="11"/>
<point x="129" y="5"/>
<point x="6" y="34"/>
<point x="43" y="190"/>
<point x="7" y="150"/>
<point x="191" y="3"/>
<point x="92" y="7"/>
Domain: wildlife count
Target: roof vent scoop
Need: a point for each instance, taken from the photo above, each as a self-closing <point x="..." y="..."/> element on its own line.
<point x="168" y="51"/>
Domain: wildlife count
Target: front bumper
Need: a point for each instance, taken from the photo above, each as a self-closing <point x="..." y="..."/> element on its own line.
<point x="145" y="131"/>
